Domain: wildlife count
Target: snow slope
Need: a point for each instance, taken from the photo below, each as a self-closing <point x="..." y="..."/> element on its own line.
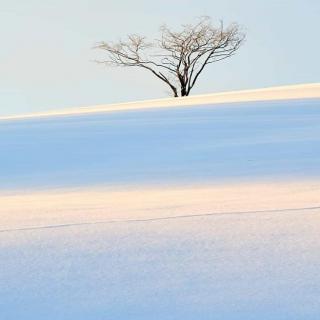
<point x="207" y="211"/>
<point x="301" y="91"/>
<point x="200" y="144"/>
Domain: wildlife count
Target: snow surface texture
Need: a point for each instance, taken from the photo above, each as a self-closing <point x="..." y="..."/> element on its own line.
<point x="268" y="140"/>
<point x="195" y="212"/>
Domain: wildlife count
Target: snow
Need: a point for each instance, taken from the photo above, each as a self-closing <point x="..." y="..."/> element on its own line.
<point x="261" y="140"/>
<point x="300" y="91"/>
<point x="247" y="266"/>
<point x="207" y="211"/>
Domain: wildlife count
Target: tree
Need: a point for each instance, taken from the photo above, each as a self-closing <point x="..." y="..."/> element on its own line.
<point x="177" y="57"/>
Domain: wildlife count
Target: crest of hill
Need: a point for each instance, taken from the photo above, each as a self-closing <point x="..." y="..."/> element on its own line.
<point x="301" y="91"/>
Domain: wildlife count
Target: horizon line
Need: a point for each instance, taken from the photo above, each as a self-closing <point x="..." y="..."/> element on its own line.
<point x="285" y="92"/>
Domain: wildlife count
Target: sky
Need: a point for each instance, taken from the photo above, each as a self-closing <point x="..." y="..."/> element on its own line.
<point x="46" y="55"/>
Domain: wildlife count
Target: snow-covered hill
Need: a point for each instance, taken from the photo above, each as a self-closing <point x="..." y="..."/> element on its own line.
<point x="197" y="208"/>
<point x="193" y="144"/>
<point x="301" y="91"/>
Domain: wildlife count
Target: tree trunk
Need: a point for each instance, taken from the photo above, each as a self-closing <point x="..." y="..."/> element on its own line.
<point x="183" y="92"/>
<point x="175" y="92"/>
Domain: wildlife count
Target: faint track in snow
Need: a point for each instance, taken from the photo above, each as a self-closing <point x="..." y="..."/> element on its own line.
<point x="68" y="225"/>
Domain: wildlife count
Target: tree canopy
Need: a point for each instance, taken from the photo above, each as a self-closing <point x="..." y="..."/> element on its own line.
<point x="176" y="57"/>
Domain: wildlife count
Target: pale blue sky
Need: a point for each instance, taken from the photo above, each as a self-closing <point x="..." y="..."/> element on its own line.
<point x="45" y="56"/>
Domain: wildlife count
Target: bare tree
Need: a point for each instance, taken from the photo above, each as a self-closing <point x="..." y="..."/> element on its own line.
<point x="177" y="57"/>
